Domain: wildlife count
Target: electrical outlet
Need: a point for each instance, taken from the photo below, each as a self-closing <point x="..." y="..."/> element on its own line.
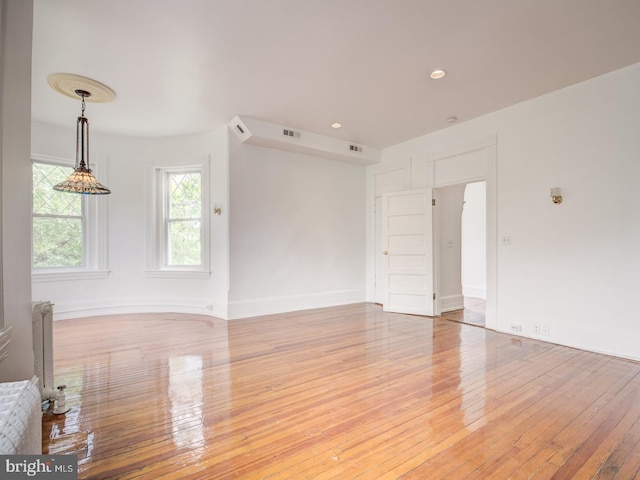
<point x="546" y="330"/>
<point x="506" y="240"/>
<point x="516" y="327"/>
<point x="536" y="329"/>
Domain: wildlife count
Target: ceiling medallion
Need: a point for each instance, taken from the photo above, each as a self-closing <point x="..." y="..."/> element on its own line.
<point x="68" y="84"/>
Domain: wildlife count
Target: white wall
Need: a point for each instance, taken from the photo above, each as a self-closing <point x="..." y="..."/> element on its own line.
<point x="16" y="21"/>
<point x="573" y="267"/>
<point x="291" y="234"/>
<point x="474" y="240"/>
<point x="297" y="231"/>
<point x="129" y="288"/>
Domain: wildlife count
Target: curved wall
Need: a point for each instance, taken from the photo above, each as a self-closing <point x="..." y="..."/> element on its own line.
<point x="125" y="164"/>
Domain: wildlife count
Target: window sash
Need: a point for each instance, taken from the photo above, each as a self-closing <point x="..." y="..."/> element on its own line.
<point x="183" y="256"/>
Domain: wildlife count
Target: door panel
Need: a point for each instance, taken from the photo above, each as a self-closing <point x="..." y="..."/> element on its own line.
<point x="387" y="179"/>
<point x="407" y="238"/>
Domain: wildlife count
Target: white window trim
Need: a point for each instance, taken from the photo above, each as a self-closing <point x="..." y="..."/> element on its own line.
<point x="156" y="241"/>
<point x="95" y="262"/>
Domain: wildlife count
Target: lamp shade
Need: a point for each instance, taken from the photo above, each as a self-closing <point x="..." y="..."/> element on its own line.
<point x="82" y="181"/>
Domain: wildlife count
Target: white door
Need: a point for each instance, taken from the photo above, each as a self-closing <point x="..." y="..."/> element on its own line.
<point x="407" y="240"/>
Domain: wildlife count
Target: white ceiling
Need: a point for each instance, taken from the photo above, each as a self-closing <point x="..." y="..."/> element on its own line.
<point x="188" y="66"/>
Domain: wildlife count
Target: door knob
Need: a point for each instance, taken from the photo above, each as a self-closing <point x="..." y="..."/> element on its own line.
<point x="385" y="253"/>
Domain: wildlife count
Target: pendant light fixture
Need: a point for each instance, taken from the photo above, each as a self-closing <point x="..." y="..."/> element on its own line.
<point x="81" y="179"/>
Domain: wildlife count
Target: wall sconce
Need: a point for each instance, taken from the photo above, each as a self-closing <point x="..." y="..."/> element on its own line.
<point x="556" y="195"/>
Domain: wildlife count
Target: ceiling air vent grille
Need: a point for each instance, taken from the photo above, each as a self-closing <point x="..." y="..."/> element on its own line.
<point x="355" y="148"/>
<point x="290" y="133"/>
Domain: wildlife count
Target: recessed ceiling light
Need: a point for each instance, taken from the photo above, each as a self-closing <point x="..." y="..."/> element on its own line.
<point x="452" y="119"/>
<point x="336" y="125"/>
<point x="437" y="73"/>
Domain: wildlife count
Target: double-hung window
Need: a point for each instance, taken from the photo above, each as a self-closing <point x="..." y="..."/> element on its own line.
<point x="180" y="226"/>
<point x="58" y="220"/>
<point x="66" y="237"/>
<point x="183" y="219"/>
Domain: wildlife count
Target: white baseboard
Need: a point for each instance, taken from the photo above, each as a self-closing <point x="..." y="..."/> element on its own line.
<point x="219" y="309"/>
<point x="474" y="291"/>
<point x="63" y="311"/>
<point x="268" y="306"/>
<point x="449" y="303"/>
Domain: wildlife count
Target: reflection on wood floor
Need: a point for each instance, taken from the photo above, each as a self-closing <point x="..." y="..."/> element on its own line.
<point x="472" y="314"/>
<point x="337" y="393"/>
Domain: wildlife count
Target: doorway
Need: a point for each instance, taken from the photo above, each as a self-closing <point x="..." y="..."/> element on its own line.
<point x="467" y="163"/>
<point x="471" y="257"/>
<point x="460" y="250"/>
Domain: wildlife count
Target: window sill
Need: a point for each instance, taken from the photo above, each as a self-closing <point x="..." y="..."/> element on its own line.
<point x="193" y="274"/>
<point x="61" y="276"/>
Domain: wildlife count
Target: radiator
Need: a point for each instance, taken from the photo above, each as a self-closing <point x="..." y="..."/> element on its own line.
<point x="20" y="418"/>
<point x="42" y="315"/>
<point x="20" y="411"/>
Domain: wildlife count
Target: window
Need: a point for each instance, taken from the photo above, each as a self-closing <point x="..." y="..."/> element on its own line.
<point x="180" y="226"/>
<point x="58" y="220"/>
<point x="68" y="236"/>
<point x="183" y="218"/>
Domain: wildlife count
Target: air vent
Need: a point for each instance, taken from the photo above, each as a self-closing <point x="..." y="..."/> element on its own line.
<point x="290" y="133"/>
<point x="239" y="128"/>
<point x="355" y="148"/>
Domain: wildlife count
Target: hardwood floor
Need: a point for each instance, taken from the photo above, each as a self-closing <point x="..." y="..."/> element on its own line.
<point x="473" y="312"/>
<point x="340" y="393"/>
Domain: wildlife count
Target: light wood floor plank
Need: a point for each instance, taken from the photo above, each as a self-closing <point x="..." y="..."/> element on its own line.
<point x="347" y="392"/>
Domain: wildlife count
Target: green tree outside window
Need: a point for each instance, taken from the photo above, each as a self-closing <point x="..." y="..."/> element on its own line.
<point x="184" y="232"/>
<point x="58" y="220"/>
